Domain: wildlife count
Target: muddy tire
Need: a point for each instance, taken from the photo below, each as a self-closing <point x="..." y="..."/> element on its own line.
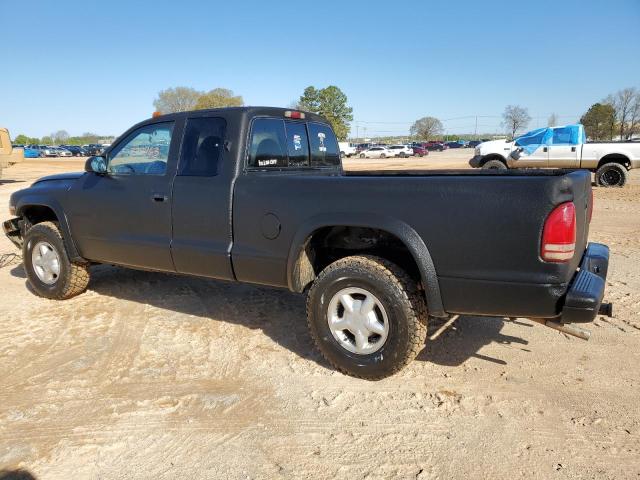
<point x="49" y="271"/>
<point x="383" y="314"/>
<point x="611" y="175"/>
<point x="494" y="165"/>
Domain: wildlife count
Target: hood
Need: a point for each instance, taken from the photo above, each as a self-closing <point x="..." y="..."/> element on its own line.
<point x="494" y="146"/>
<point x="60" y="176"/>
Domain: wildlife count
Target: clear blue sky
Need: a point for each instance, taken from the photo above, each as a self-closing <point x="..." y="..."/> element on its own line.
<point x="97" y="66"/>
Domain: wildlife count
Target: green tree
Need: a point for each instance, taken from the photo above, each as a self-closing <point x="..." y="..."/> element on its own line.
<point x="426" y="128"/>
<point x="24" y="140"/>
<point x="331" y="103"/>
<point x="599" y="121"/>
<point x="178" y="99"/>
<point x="47" y="140"/>
<point x="218" y="98"/>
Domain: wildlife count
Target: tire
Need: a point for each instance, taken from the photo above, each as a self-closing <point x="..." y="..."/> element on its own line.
<point x="404" y="311"/>
<point x="611" y="175"/>
<point x="494" y="165"/>
<point x="362" y="155"/>
<point x="72" y="278"/>
<point x="382" y="155"/>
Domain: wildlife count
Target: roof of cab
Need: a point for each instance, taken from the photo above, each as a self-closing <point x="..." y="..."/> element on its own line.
<point x="239" y="112"/>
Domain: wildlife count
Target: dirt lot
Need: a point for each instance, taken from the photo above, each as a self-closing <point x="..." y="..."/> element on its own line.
<point x="158" y="376"/>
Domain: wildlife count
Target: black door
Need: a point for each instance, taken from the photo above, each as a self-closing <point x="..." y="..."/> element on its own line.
<point x="202" y="200"/>
<point x="124" y="217"/>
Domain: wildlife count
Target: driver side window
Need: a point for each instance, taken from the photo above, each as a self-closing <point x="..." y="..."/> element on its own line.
<point x="143" y="152"/>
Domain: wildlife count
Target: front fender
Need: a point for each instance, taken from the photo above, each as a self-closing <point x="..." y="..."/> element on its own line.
<point x="399" y="229"/>
<point x="31" y="199"/>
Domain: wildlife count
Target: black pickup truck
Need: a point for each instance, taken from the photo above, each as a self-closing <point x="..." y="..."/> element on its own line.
<point x="257" y="194"/>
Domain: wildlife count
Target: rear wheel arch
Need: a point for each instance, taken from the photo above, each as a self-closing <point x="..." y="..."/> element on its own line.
<point x="615" y="158"/>
<point x="319" y="245"/>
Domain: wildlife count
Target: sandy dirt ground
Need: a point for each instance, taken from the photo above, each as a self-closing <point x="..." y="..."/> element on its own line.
<point x="149" y="375"/>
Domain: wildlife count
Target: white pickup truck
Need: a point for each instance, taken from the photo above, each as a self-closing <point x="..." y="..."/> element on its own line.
<point x="346" y="149"/>
<point x="561" y="147"/>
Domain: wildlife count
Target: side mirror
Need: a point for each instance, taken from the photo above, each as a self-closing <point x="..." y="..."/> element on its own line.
<point x="96" y="165"/>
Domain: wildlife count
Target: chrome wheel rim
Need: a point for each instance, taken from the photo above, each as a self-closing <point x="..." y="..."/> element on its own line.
<point x="358" y="321"/>
<point x="46" y="262"/>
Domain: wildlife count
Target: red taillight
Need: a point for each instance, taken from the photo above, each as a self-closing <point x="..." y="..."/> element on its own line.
<point x="590" y="211"/>
<point x="293" y="114"/>
<point x="559" y="234"/>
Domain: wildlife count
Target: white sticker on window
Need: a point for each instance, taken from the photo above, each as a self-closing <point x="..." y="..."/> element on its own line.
<point x="266" y="163"/>
<point x="297" y="142"/>
<point x="321" y="137"/>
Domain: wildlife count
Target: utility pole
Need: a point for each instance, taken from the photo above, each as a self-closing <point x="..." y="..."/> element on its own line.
<point x="476" y="132"/>
<point x="357" y="132"/>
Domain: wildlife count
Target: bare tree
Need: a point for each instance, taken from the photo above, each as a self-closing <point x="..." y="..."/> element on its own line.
<point x="60" y="136"/>
<point x="634" y="117"/>
<point x="552" y="121"/>
<point x="515" y="118"/>
<point x="178" y="99"/>
<point x="426" y="128"/>
<point x="623" y="102"/>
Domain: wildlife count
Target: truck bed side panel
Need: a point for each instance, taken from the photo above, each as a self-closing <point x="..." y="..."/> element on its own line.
<point x="483" y="232"/>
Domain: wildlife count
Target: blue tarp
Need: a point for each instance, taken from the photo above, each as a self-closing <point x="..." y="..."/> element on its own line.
<point x="566" y="135"/>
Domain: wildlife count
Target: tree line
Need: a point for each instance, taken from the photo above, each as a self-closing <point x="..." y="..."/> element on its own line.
<point x="62" y="137"/>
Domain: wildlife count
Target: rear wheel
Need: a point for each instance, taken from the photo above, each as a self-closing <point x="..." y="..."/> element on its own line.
<point x="494" y="165"/>
<point x="362" y="155"/>
<point x="366" y="316"/>
<point x="49" y="270"/>
<point x="382" y="155"/>
<point x="611" y="175"/>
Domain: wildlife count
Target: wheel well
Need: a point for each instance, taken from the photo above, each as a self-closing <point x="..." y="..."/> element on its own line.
<point x="615" y="158"/>
<point x="328" y="244"/>
<point x="38" y="214"/>
<point x="494" y="156"/>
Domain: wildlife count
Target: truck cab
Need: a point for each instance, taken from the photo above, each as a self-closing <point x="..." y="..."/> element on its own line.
<point x="8" y="155"/>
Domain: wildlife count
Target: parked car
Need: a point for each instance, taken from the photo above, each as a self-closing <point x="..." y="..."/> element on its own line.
<point x="401" y="151"/>
<point x="31" y="152"/>
<point x="435" y="146"/>
<point x="374" y="251"/>
<point x="376" y="152"/>
<point x="75" y="150"/>
<point x="346" y="149"/>
<point x="48" y="151"/>
<point x="474" y="143"/>
<point x="94" y="149"/>
<point x="454" y="145"/>
<point x="419" y="149"/>
<point x="63" y="152"/>
<point x="561" y="147"/>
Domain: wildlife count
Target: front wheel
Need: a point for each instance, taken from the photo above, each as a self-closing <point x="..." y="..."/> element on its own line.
<point x="494" y="165"/>
<point x="382" y="155"/>
<point x="366" y="316"/>
<point x="611" y="175"/>
<point x="49" y="270"/>
<point x="362" y="155"/>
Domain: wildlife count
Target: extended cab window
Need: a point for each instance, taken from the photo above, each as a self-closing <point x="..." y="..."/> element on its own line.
<point x="143" y="152"/>
<point x="202" y="147"/>
<point x="268" y="142"/>
<point x="297" y="144"/>
<point x="324" y="146"/>
<point x="562" y="136"/>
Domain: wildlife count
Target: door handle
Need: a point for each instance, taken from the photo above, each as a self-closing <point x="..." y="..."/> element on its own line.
<point x="545" y="149"/>
<point x="158" y="197"/>
<point x="573" y="149"/>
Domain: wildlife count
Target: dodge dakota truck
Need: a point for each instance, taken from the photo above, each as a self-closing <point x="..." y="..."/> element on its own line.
<point x="258" y="194"/>
<point x="561" y="147"/>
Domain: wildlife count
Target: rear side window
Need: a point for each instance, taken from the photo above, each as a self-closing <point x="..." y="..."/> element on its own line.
<point x="297" y="144"/>
<point x="324" y="146"/>
<point x="268" y="144"/>
<point x="562" y="136"/>
<point x="202" y="147"/>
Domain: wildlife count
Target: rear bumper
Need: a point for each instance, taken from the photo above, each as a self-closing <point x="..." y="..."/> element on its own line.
<point x="586" y="290"/>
